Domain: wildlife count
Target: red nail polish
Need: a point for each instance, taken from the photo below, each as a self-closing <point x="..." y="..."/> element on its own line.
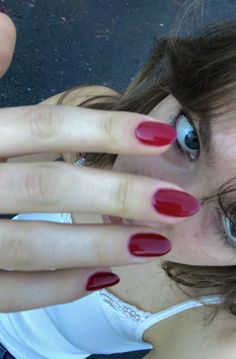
<point x="148" y="245"/>
<point x="155" y="133"/>
<point x="2" y="9"/>
<point x="175" y="203"/>
<point x="101" y="280"/>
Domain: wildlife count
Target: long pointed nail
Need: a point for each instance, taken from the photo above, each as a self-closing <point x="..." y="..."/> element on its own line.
<point x="101" y="280"/>
<point x="175" y="203"/>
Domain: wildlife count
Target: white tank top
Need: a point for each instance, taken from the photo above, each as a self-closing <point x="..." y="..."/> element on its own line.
<point x="98" y="323"/>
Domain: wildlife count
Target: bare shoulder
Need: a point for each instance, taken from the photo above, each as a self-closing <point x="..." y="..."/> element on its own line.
<point x="76" y="96"/>
<point x="189" y="335"/>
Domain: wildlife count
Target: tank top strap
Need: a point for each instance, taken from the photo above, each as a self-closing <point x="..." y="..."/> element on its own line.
<point x="175" y="309"/>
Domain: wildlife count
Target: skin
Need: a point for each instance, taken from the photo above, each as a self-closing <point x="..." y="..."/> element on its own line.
<point x="196" y="240"/>
<point x="31" y="249"/>
<point x="189" y="245"/>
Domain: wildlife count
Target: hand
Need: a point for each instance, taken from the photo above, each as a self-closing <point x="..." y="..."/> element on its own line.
<point x="32" y="248"/>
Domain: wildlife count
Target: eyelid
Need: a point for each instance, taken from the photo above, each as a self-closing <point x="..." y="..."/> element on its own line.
<point x="219" y="216"/>
<point x="190" y="119"/>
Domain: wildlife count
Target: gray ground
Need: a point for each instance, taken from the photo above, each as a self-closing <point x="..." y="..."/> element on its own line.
<point x="65" y="43"/>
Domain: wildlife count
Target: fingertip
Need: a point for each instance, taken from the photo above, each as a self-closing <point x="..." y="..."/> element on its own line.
<point x="7" y="41"/>
<point x="101" y="279"/>
<point x="6" y="20"/>
<point x="155" y="133"/>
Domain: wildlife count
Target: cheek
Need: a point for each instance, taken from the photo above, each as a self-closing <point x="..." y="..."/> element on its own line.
<point x="212" y="246"/>
<point x="150" y="166"/>
<point x="195" y="242"/>
<point x="122" y="163"/>
<point x="185" y="245"/>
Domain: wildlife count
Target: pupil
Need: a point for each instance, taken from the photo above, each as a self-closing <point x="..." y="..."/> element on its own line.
<point x="191" y="140"/>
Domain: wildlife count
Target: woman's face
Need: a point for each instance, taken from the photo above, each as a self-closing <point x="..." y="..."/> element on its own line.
<point x="197" y="240"/>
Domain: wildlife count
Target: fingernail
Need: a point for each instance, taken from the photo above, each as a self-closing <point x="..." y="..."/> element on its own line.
<point x="155" y="133"/>
<point x="2" y="9"/>
<point x="148" y="245"/>
<point x="175" y="203"/>
<point x="101" y="280"/>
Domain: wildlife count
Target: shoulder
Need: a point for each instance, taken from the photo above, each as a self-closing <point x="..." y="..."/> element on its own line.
<point x="76" y="96"/>
<point x="189" y="335"/>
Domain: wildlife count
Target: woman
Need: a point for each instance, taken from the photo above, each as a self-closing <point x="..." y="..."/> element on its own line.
<point x="194" y="94"/>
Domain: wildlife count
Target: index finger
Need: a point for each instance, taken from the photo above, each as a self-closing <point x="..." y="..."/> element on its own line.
<point x="52" y="128"/>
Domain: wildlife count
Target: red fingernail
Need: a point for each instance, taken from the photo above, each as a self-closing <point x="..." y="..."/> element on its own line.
<point x="175" y="203"/>
<point x="2" y="9"/>
<point x="101" y="280"/>
<point x="155" y="133"/>
<point x="148" y="245"/>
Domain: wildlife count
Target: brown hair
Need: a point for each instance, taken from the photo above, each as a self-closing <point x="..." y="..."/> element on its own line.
<point x="199" y="70"/>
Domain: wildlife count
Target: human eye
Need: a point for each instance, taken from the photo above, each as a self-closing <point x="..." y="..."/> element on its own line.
<point x="226" y="226"/>
<point x="188" y="143"/>
<point x="229" y="224"/>
<point x="187" y="140"/>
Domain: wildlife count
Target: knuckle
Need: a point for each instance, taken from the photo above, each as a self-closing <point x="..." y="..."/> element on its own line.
<point x="123" y="195"/>
<point x="40" y="182"/>
<point x="43" y="122"/>
<point x="109" y="130"/>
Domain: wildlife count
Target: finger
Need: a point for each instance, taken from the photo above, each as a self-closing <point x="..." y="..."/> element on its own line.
<point x="48" y="128"/>
<point x="62" y="187"/>
<point x="24" y="291"/>
<point x="33" y="246"/>
<point x="7" y="41"/>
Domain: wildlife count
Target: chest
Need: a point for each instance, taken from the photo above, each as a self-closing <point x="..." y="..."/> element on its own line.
<point x="147" y="287"/>
<point x="184" y="334"/>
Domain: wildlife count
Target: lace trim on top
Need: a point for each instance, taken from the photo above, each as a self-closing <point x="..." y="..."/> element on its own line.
<point x="125" y="309"/>
<point x="66" y="217"/>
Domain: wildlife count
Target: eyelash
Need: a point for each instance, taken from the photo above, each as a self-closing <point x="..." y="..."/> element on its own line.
<point x="218" y="213"/>
<point x="218" y="218"/>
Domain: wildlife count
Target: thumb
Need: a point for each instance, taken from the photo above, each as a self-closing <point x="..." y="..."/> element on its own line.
<point x="7" y="42"/>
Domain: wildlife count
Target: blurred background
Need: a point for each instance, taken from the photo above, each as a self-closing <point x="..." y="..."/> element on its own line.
<point x="65" y="43"/>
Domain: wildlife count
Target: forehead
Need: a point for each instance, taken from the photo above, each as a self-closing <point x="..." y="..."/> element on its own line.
<point x="166" y="108"/>
<point x="223" y="128"/>
<point x="223" y="140"/>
